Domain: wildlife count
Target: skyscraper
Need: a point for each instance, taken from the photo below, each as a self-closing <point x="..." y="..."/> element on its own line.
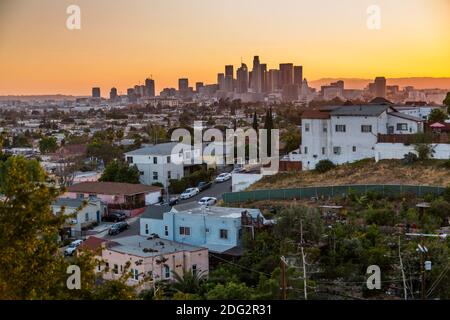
<point x="198" y="86"/>
<point x="273" y="80"/>
<point x="221" y="81"/>
<point x="380" y="87"/>
<point x="113" y="94"/>
<point x="183" y="84"/>
<point x="229" y="78"/>
<point x="96" y="92"/>
<point x="286" y="74"/>
<point x="256" y="75"/>
<point x="263" y="70"/>
<point x="149" y="87"/>
<point x="242" y="79"/>
<point x="298" y="75"/>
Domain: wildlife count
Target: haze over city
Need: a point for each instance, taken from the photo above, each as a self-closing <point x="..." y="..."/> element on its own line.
<point x="123" y="42"/>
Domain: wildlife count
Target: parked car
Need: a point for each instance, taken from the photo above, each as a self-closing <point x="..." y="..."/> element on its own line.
<point x="118" y="228"/>
<point x="70" y="250"/>
<point x="223" y="177"/>
<point x="114" y="217"/>
<point x="202" y="186"/>
<point x="174" y="201"/>
<point x="238" y="170"/>
<point x="207" y="201"/>
<point x="189" y="193"/>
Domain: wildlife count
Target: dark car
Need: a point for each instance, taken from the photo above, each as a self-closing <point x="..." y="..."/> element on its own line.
<point x="173" y="201"/>
<point x="202" y="186"/>
<point x="118" y="228"/>
<point x="114" y="217"/>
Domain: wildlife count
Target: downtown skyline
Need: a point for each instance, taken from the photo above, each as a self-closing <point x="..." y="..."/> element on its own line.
<point x="133" y="40"/>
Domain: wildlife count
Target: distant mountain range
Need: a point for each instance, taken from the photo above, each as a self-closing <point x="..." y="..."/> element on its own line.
<point x="416" y="82"/>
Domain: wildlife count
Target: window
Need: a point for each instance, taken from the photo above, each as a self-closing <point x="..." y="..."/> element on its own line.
<point x="207" y="230"/>
<point x="130" y="159"/>
<point x="194" y="269"/>
<point x="80" y="196"/>
<point x="141" y="173"/>
<point x="323" y="150"/>
<point x="337" y="150"/>
<point x="354" y="149"/>
<point x="166" y="272"/>
<point x="240" y="234"/>
<point x="366" y="128"/>
<point x="135" y="274"/>
<point x="169" y="160"/>
<point x="116" y="269"/>
<point x="307" y="127"/>
<point x="402" y="127"/>
<point x="340" y="128"/>
<point x="155" y="160"/>
<point x="169" y="175"/>
<point x="185" y="231"/>
<point x="223" y="234"/>
<point x="155" y="175"/>
<point x="86" y="216"/>
<point x="146" y="228"/>
<point x="306" y="150"/>
<point x="166" y="231"/>
<point x="325" y="128"/>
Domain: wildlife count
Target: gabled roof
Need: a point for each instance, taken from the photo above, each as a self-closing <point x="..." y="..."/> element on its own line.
<point x="368" y="110"/>
<point x="92" y="243"/>
<point x="112" y="188"/>
<point x="405" y="116"/>
<point x="380" y="100"/>
<point x="315" y="114"/>
<point x="162" y="149"/>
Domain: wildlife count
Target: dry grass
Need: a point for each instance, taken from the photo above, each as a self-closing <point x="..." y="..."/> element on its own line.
<point x="363" y="172"/>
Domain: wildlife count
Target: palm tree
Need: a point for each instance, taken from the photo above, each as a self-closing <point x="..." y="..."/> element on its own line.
<point x="189" y="282"/>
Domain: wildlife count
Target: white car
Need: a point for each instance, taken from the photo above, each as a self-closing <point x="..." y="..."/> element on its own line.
<point x="207" y="201"/>
<point x="70" y="250"/>
<point x="189" y="193"/>
<point x="223" y="177"/>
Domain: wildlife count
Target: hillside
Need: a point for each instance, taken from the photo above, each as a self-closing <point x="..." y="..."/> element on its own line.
<point x="363" y="172"/>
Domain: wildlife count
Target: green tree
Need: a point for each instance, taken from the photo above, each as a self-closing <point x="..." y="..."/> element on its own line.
<point x="118" y="171"/>
<point x="255" y="121"/>
<point x="48" y="145"/>
<point x="437" y="115"/>
<point x="230" y="291"/>
<point x="447" y="102"/>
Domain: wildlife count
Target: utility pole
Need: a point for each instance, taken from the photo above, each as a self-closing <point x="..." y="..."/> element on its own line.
<point x="403" y="271"/>
<point x="283" y="264"/>
<point x="303" y="261"/>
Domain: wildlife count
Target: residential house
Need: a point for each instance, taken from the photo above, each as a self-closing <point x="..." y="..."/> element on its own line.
<point x="349" y="133"/>
<point x="82" y="213"/>
<point x="219" y="229"/>
<point x="126" y="197"/>
<point x="151" y="259"/>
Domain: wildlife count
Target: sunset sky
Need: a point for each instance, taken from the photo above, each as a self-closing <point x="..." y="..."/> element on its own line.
<point x="121" y="42"/>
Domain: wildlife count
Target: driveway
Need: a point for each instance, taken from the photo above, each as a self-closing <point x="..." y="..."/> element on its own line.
<point x="216" y="191"/>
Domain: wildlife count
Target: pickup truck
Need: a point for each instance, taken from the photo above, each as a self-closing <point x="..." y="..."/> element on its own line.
<point x="202" y="186"/>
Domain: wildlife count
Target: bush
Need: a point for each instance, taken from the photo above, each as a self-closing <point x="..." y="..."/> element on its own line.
<point x="410" y="158"/>
<point x="324" y="166"/>
<point x="178" y="186"/>
<point x="446" y="164"/>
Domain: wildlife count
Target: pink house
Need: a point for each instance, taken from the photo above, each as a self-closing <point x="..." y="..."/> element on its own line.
<point x="149" y="260"/>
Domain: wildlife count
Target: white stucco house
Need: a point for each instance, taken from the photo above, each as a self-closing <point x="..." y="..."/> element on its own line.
<point x="344" y="134"/>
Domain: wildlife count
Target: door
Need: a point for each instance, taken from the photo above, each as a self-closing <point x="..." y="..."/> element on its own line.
<point x="98" y="216"/>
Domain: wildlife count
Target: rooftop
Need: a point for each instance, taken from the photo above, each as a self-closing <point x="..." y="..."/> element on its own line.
<point x="69" y="202"/>
<point x="370" y="110"/>
<point x="162" y="149"/>
<point x="112" y="188"/>
<point x="135" y="245"/>
<point x="218" y="212"/>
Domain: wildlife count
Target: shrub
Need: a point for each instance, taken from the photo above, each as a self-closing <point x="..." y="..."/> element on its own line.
<point x="446" y="164"/>
<point x="324" y="166"/>
<point x="410" y="158"/>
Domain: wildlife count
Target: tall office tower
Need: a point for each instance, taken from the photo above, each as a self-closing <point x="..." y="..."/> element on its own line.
<point x="291" y="92"/>
<point x="183" y="84"/>
<point x="380" y="87"/>
<point x="298" y="75"/>
<point x="273" y="80"/>
<point x="229" y="71"/>
<point x="131" y="95"/>
<point x="242" y="79"/>
<point x="229" y="78"/>
<point x="198" y="86"/>
<point x="286" y="74"/>
<point x="263" y="69"/>
<point x="113" y="94"/>
<point x="221" y="81"/>
<point x="256" y="76"/>
<point x="96" y="92"/>
<point x="149" y="87"/>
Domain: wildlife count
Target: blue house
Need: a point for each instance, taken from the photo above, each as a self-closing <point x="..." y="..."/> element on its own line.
<point x="217" y="228"/>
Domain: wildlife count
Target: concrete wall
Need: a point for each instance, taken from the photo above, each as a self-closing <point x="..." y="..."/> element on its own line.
<point x="241" y="181"/>
<point x="398" y="150"/>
